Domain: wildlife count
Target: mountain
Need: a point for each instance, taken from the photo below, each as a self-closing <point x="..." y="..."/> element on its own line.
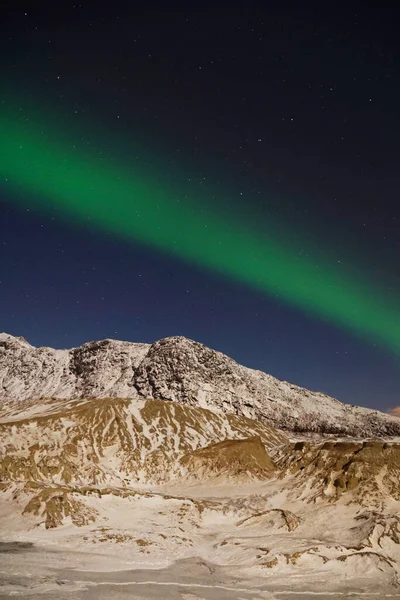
<point x="183" y="371"/>
<point x="173" y="459"/>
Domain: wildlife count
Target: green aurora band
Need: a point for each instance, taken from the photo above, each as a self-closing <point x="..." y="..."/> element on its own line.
<point x="93" y="192"/>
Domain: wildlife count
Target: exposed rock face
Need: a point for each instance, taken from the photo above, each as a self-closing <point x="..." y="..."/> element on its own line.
<point x="55" y="504"/>
<point x="181" y="370"/>
<point x="367" y="473"/>
<point x="275" y="518"/>
<point x="241" y="459"/>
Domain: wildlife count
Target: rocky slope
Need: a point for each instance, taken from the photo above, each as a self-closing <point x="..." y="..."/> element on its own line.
<point x="114" y="441"/>
<point x="181" y="370"/>
<point x="185" y="371"/>
<point x="365" y="472"/>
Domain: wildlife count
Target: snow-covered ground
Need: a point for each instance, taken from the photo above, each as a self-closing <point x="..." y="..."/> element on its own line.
<point x="133" y="498"/>
<point x="43" y="574"/>
<point x="191" y="542"/>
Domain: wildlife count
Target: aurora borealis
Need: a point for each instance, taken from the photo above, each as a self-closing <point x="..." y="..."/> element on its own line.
<point x="227" y="172"/>
<point x="97" y="194"/>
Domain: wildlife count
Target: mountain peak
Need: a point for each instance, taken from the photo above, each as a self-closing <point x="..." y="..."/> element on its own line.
<point x="178" y="369"/>
<point x="7" y="337"/>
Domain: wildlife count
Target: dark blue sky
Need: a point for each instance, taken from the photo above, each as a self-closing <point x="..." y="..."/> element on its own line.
<point x="62" y="286"/>
<point x="295" y="111"/>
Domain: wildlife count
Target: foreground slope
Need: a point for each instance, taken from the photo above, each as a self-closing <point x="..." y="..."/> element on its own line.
<point x="181" y="370"/>
<point x="132" y="483"/>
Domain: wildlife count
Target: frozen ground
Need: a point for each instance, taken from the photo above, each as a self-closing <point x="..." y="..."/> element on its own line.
<point x="189" y="543"/>
<point x="28" y="571"/>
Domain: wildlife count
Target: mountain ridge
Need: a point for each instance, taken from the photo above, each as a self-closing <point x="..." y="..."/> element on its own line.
<point x="182" y="370"/>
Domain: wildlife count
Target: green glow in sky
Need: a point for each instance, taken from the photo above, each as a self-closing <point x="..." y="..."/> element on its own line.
<point x="92" y="191"/>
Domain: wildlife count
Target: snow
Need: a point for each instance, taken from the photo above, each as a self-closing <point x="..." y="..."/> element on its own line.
<point x="181" y="370"/>
<point x="137" y="523"/>
<point x="96" y="369"/>
<point x="161" y="537"/>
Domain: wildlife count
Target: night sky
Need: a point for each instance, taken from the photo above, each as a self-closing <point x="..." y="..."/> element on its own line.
<point x="281" y="121"/>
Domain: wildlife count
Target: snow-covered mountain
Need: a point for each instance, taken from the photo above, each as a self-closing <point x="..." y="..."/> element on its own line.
<point x="96" y="369"/>
<point x="135" y="456"/>
<point x="181" y="370"/>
